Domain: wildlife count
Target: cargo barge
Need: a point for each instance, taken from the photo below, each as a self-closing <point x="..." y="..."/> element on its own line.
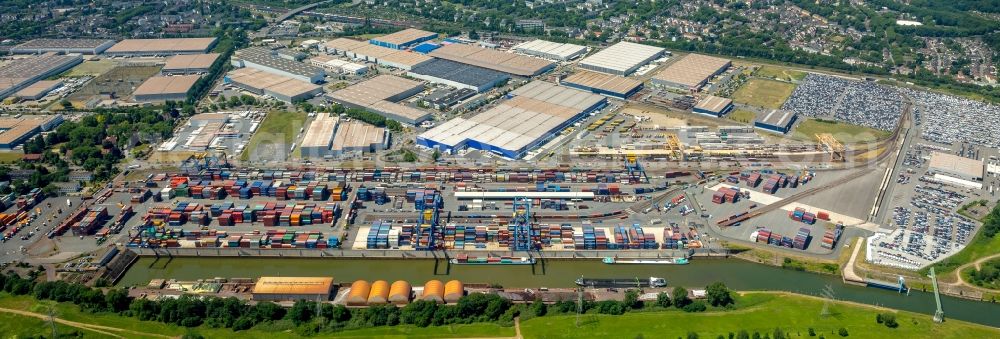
<point x="622" y="282"/>
<point x="661" y="261"/>
<point x="464" y="259"/>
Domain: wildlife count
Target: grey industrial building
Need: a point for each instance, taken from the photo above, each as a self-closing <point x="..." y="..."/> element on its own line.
<point x="66" y="46"/>
<point x="327" y="136"/>
<point x="713" y="106"/>
<point x="458" y="75"/>
<point x="162" y="88"/>
<point x="359" y="50"/>
<point x="512" y="63"/>
<point x="21" y="73"/>
<point x="161" y="47"/>
<point x="551" y="50"/>
<point x="691" y="72"/>
<point x="777" y="120"/>
<point x="403" y="39"/>
<point x="277" y="86"/>
<point x="189" y="63"/>
<point x="39" y="89"/>
<point x="380" y="95"/>
<point x="446" y="98"/>
<point x="267" y="60"/>
<point x="533" y="115"/>
<point x="621" y="59"/>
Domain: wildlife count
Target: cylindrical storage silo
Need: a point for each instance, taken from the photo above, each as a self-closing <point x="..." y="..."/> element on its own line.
<point x="379" y="293"/>
<point x="433" y="291"/>
<point x="359" y="293"/>
<point x="399" y="292"/>
<point x="453" y="291"/>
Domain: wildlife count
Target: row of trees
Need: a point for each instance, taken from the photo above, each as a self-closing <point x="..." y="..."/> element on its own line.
<point x="309" y="317"/>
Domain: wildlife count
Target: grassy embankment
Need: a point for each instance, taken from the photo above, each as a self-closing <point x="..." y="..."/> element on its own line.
<point x="756" y="312"/>
<point x="764" y="93"/>
<point x="844" y="132"/>
<point x="780" y="73"/>
<point x="278" y="132"/>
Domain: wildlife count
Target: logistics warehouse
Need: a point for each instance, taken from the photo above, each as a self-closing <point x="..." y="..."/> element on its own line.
<point x="532" y="116"/>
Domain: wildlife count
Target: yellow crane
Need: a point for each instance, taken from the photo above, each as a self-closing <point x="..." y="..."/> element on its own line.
<point x="832" y="145"/>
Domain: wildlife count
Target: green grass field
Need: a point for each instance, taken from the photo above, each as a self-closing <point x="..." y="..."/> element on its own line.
<point x="279" y="128"/>
<point x="90" y="68"/>
<point x="757" y="312"/>
<point x="764" y="93"/>
<point x="780" y="73"/>
<point x="10" y="157"/>
<point x="741" y="115"/>
<point x="845" y="133"/>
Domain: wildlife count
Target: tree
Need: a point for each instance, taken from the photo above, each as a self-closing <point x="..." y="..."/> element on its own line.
<point x="743" y="335"/>
<point x="66" y="104"/>
<point x="117" y="300"/>
<point x="436" y="155"/>
<point x="539" y="308"/>
<point x="692" y="335"/>
<point x="778" y="334"/>
<point x="697" y="306"/>
<point x="842" y="332"/>
<point x="631" y="300"/>
<point x="301" y="312"/>
<point x="718" y="295"/>
<point x="680" y="297"/>
<point x="663" y="299"/>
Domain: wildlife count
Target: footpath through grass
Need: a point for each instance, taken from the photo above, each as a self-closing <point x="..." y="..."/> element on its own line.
<point x="845" y="133"/>
<point x="780" y="73"/>
<point x="277" y="132"/>
<point x="756" y="312"/>
<point x="764" y="93"/>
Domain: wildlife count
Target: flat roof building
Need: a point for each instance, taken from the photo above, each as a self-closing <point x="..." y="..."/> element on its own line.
<point x="458" y="75"/>
<point x="358" y="137"/>
<point x="777" y="120"/>
<point x="15" y="131"/>
<point x="443" y="99"/>
<point x="691" y="72"/>
<point x="277" y="86"/>
<point x="160" y="47"/>
<point x="714" y="106"/>
<point x="380" y="95"/>
<point x="189" y="63"/>
<point x="622" y="58"/>
<point x="21" y="73"/>
<point x="267" y="60"/>
<point x="384" y="56"/>
<point x="66" y="46"/>
<point x="162" y="88"/>
<point x="956" y="166"/>
<point x="551" y="50"/>
<point x="512" y="63"/>
<point x="39" y="89"/>
<point x="403" y="39"/>
<point x="604" y="84"/>
<point x="534" y="114"/>
<point x="338" y="66"/>
<point x="292" y="288"/>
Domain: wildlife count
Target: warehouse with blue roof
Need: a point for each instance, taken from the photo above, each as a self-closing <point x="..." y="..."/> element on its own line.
<point x="777" y="120"/>
<point x="534" y="114"/>
<point x="403" y="39"/>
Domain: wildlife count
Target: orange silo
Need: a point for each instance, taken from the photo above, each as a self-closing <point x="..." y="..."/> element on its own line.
<point x="399" y="292"/>
<point x="358" y="296"/>
<point x="433" y="291"/>
<point x="379" y="293"/>
<point x="453" y="291"/>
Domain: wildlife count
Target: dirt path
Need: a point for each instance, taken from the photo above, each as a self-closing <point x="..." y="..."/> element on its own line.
<point x="959" y="281"/>
<point x="106" y="330"/>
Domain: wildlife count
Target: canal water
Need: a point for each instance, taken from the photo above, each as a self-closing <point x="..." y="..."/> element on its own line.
<point x="737" y="274"/>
